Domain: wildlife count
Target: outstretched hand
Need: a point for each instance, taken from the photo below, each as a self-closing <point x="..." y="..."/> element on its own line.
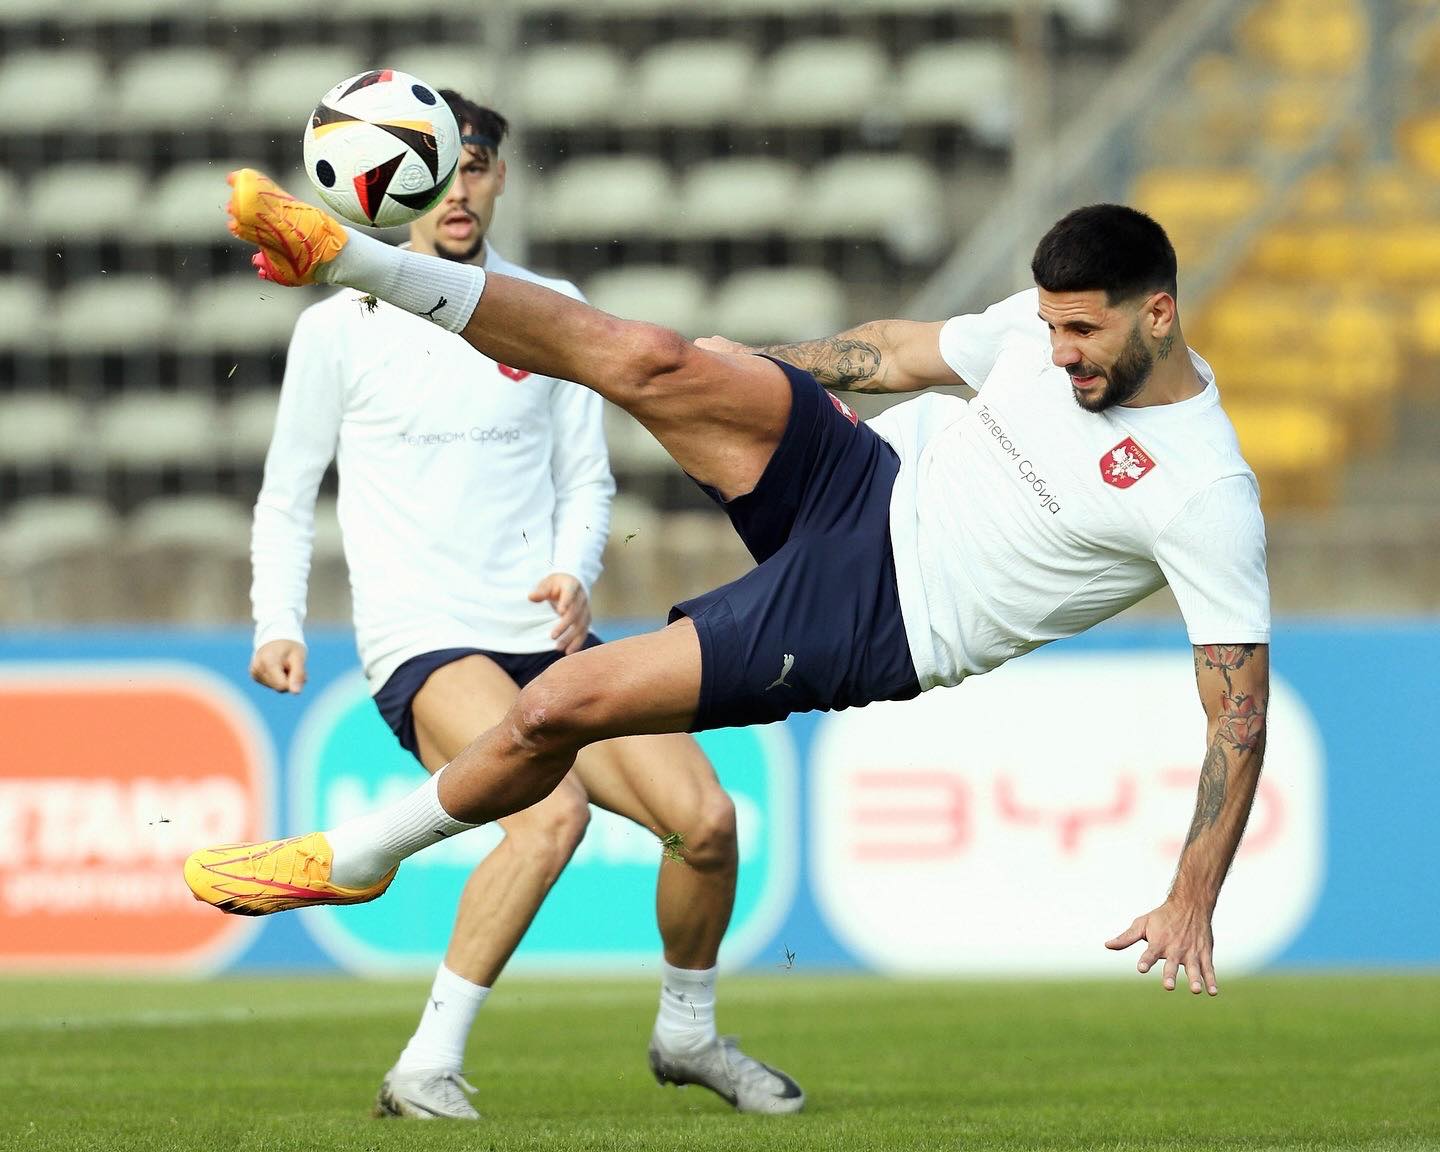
<point x="571" y="603"/>
<point x="1179" y="934"/>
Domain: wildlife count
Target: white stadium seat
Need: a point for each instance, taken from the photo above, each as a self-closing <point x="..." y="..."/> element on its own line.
<point x="898" y="199"/>
<point x="660" y="293"/>
<point x="85" y="201"/>
<point x="240" y="312"/>
<point x="626" y="196"/>
<point x="152" y="429"/>
<point x="282" y="88"/>
<point x="632" y="448"/>
<point x="198" y="521"/>
<point x="23" y="306"/>
<point x="737" y="198"/>
<point x="43" y="90"/>
<point x="822" y="81"/>
<point x="44" y="527"/>
<point x="562" y="86"/>
<point x="174" y="88"/>
<point x="249" y="422"/>
<point x="691" y="82"/>
<point x="40" y="428"/>
<point x="970" y="83"/>
<point x="187" y="203"/>
<point x="113" y="314"/>
<point x="767" y="305"/>
<point x="89" y="12"/>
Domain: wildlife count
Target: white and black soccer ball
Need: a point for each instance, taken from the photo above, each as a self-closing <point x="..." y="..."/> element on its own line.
<point x="381" y="148"/>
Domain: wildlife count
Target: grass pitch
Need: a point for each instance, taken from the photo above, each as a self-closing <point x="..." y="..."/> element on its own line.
<point x="1298" y="1062"/>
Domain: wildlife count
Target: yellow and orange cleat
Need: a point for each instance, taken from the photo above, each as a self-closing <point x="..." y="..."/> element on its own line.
<point x="294" y="237"/>
<point x="271" y="876"/>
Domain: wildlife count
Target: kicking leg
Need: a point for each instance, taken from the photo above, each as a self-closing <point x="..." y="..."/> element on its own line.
<point x="719" y="415"/>
<point x="499" y="900"/>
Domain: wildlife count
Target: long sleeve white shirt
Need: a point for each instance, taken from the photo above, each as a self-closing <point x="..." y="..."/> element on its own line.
<point x="462" y="484"/>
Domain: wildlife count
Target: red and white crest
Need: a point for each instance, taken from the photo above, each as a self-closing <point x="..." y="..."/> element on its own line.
<point x="513" y="373"/>
<point x="1125" y="463"/>
<point x="843" y="408"/>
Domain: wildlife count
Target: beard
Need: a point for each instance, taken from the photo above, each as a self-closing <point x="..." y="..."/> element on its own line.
<point x="1126" y="377"/>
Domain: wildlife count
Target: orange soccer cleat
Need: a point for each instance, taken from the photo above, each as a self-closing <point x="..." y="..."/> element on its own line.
<point x="294" y="238"/>
<point x="271" y="876"/>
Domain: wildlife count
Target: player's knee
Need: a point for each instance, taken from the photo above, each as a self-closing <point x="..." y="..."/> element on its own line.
<point x="549" y="716"/>
<point x="552" y="832"/>
<point x="656" y="355"/>
<point x="710" y="844"/>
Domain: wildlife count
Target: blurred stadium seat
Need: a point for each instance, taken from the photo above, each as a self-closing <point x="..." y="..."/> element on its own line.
<point x="41" y="429"/>
<point x="739" y="198"/>
<point x="599" y="196"/>
<point x="569" y="85"/>
<point x="661" y="293"/>
<point x="966" y="83"/>
<point x="141" y="433"/>
<point x="822" y="81"/>
<point x="85" y="201"/>
<point x="691" y="82"/>
<point x="897" y="199"/>
<point x="114" y="313"/>
<point x="248" y="422"/>
<point x="44" y="89"/>
<point x="239" y="312"/>
<point x="23" y="305"/>
<point x="767" y="305"/>
<point x="188" y="203"/>
<point x="174" y="88"/>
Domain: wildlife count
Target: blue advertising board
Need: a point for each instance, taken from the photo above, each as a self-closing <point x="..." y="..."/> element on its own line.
<point x="903" y="838"/>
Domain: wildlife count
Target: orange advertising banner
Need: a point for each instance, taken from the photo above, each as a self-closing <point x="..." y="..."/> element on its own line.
<point x="108" y="778"/>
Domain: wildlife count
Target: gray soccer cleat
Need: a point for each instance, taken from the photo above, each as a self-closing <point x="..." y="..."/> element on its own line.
<point x="742" y="1080"/>
<point x="427" y="1094"/>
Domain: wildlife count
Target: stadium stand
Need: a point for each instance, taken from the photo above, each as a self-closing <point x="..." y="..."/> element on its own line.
<point x="769" y="169"/>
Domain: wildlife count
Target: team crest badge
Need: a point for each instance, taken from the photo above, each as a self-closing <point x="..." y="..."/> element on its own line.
<point x="843" y="408"/>
<point x="1125" y="463"/>
<point x="512" y="373"/>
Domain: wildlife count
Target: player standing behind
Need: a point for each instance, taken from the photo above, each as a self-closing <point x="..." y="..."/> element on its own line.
<point x="474" y="507"/>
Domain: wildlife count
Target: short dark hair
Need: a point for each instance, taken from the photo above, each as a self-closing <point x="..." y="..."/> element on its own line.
<point x="1108" y="248"/>
<point x="482" y="121"/>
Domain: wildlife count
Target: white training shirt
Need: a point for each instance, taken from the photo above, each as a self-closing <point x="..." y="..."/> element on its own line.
<point x="1019" y="518"/>
<point x="462" y="484"/>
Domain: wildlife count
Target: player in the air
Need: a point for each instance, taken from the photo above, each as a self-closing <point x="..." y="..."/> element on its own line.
<point x="932" y="544"/>
<point x="474" y="506"/>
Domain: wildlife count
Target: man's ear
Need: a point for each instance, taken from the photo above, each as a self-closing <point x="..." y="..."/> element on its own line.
<point x="1157" y="315"/>
<point x="499" y="176"/>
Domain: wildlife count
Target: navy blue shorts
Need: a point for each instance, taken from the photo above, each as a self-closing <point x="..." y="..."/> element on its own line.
<point x="398" y="693"/>
<point x="817" y="624"/>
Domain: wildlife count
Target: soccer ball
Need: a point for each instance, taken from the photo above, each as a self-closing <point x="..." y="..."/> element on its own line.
<point x="381" y="148"/>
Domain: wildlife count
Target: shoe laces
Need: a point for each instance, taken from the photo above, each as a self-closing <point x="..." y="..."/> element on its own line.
<point x="745" y="1069"/>
<point x="450" y="1085"/>
<point x="305" y="866"/>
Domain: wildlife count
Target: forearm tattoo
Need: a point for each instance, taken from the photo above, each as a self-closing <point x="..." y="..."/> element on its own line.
<point x="1241" y="729"/>
<point x="837" y="362"/>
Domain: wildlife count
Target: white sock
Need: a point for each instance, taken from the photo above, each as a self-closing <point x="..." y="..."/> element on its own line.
<point x="686" y="1020"/>
<point x="368" y="846"/>
<point x="445" y="292"/>
<point x="439" y="1040"/>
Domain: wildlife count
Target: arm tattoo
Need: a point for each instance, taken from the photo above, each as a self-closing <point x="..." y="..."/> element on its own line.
<point x="1241" y="728"/>
<point x="836" y="362"/>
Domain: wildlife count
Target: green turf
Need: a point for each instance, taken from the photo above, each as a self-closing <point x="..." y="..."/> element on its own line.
<point x="1303" y="1062"/>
